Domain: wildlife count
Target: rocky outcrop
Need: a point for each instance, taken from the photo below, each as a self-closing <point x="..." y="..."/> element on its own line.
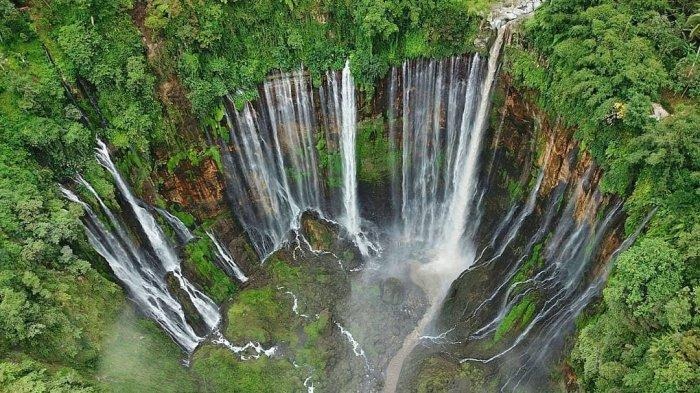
<point x="197" y="190"/>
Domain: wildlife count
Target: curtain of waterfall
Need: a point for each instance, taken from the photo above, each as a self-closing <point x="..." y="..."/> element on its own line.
<point x="270" y="164"/>
<point x="143" y="279"/>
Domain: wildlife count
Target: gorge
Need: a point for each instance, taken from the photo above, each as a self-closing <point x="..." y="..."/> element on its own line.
<point x="381" y="221"/>
<point x="439" y="234"/>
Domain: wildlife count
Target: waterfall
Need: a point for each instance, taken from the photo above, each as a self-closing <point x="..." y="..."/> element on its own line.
<point x="393" y="146"/>
<point x="158" y="241"/>
<point x="444" y="121"/>
<point x="226" y="260"/>
<point x="141" y="272"/>
<point x="271" y="164"/>
<point x="539" y="348"/>
<point x="271" y="170"/>
<point x="344" y="116"/>
<point x="281" y="157"/>
<point x="432" y="90"/>
<point x="348" y="127"/>
<point x="183" y="233"/>
<point x="445" y="107"/>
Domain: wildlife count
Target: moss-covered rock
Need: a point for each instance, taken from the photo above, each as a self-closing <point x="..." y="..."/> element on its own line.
<point x="199" y="264"/>
<point x="375" y="156"/>
<point x="292" y="306"/>
<point x="219" y="370"/>
<point x="392" y="291"/>
<point x="262" y="315"/>
<point x="192" y="316"/>
<point x="437" y="374"/>
<point x="519" y="316"/>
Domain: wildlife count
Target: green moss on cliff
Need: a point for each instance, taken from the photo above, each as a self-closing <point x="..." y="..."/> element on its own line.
<point x="534" y="262"/>
<point x="437" y="374"/>
<point x="374" y="154"/>
<point x="518" y="317"/>
<point x="219" y="370"/>
<point x="215" y="282"/>
<point x="262" y="315"/>
<point x="329" y="161"/>
<point x="266" y="315"/>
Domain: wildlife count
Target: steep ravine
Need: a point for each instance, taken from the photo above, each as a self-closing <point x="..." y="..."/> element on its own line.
<point x="533" y="234"/>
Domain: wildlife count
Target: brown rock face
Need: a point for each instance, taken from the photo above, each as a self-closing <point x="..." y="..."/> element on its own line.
<point x="529" y="131"/>
<point x="198" y="190"/>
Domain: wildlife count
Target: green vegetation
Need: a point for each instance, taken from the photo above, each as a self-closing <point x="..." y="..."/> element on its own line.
<point x="139" y="357"/>
<point x="265" y="314"/>
<point x="194" y="156"/>
<point x="200" y="261"/>
<point x="318" y="236"/>
<point x="98" y="50"/>
<point x="259" y="315"/>
<point x="439" y="375"/>
<point x="515" y="191"/>
<point x="646" y="339"/>
<point x="518" y="317"/>
<point x="534" y="262"/>
<point x="131" y="72"/>
<point x="599" y="67"/>
<point x="285" y="273"/>
<point x="219" y="370"/>
<point x="30" y="376"/>
<point x="219" y="47"/>
<point x="374" y="153"/>
<point x="329" y="161"/>
<point x="55" y="307"/>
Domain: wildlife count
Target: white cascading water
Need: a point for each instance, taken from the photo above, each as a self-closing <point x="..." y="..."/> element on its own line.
<point x="441" y="159"/>
<point x="343" y="111"/>
<point x="290" y="109"/>
<point x="348" y="133"/>
<point x="439" y="185"/>
<point x="393" y="146"/>
<point x="142" y="274"/>
<point x="184" y="234"/>
<point x="568" y="255"/>
<point x="272" y="168"/>
<point x="430" y="89"/>
<point x="560" y="321"/>
<point x="145" y="285"/>
<point x="226" y="260"/>
<point x="271" y="173"/>
<point x="158" y="241"/>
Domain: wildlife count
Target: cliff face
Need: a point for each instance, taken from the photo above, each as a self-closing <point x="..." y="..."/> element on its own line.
<point x="199" y="190"/>
<point x="543" y="220"/>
